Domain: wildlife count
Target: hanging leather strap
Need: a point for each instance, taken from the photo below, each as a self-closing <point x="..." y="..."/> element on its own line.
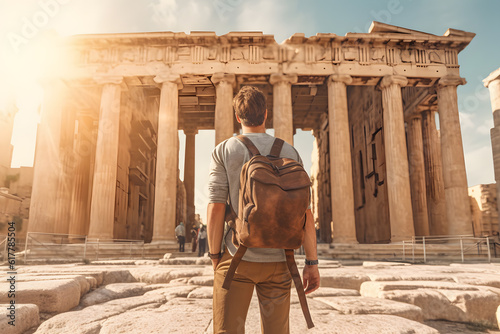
<point x="292" y="266"/>
<point x="276" y="149"/>
<point x="232" y="267"/>
<point x="250" y="146"/>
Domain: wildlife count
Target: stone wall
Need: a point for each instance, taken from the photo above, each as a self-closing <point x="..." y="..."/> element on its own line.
<point x="484" y="209"/>
<point x="368" y="164"/>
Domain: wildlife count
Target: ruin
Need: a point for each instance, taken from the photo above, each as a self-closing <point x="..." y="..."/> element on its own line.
<point x="106" y="161"/>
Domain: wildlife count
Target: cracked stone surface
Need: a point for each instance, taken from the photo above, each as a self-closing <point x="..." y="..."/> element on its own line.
<point x="154" y="297"/>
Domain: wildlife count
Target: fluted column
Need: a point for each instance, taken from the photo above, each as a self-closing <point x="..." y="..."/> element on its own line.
<point x="492" y="82"/>
<point x="398" y="179"/>
<point x="102" y="210"/>
<point x="47" y="163"/>
<point x="436" y="201"/>
<point x="79" y="213"/>
<point x="63" y="204"/>
<point x="224" y="117"/>
<point x="282" y="105"/>
<point x="167" y="158"/>
<point x="417" y="175"/>
<point x="189" y="177"/>
<point x="342" y="192"/>
<point x="455" y="178"/>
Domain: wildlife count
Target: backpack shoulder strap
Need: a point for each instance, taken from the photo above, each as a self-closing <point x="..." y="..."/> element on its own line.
<point x="277" y="146"/>
<point x="292" y="266"/>
<point x="232" y="267"/>
<point x="248" y="143"/>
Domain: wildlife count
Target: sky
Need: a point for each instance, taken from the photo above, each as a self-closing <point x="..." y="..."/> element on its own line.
<point x="24" y="23"/>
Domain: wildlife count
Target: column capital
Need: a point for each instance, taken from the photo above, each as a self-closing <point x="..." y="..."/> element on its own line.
<point x="277" y="78"/>
<point x="162" y="78"/>
<point x="219" y="77"/>
<point x="389" y="80"/>
<point x="108" y="79"/>
<point x="495" y="75"/>
<point x="450" y="80"/>
<point x="414" y="115"/>
<point x="344" y="78"/>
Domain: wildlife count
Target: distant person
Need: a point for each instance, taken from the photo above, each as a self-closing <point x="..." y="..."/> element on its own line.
<point x="202" y="240"/>
<point x="194" y="238"/>
<point x="180" y="233"/>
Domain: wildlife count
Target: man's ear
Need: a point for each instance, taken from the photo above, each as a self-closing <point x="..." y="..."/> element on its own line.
<point x="237" y="118"/>
<point x="265" y="115"/>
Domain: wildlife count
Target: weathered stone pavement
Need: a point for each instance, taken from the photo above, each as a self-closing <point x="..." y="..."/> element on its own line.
<point x="173" y="295"/>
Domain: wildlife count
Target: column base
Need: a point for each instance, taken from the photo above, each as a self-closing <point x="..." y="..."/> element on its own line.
<point x="103" y="237"/>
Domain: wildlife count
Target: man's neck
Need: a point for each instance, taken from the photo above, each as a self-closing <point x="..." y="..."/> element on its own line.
<point x="254" y="129"/>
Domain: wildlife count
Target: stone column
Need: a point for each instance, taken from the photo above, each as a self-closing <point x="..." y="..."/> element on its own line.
<point x="492" y="82"/>
<point x="342" y="192"/>
<point x="167" y="158"/>
<point x="63" y="204"/>
<point x="102" y="210"/>
<point x="436" y="202"/>
<point x="455" y="179"/>
<point x="189" y="176"/>
<point x="398" y="179"/>
<point x="79" y="214"/>
<point x="224" y="117"/>
<point x="47" y="163"/>
<point x="417" y="175"/>
<point x="282" y="105"/>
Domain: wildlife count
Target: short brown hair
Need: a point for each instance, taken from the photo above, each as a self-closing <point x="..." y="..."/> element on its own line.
<point x="250" y="106"/>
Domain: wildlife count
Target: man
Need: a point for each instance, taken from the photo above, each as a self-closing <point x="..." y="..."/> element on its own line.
<point x="202" y="240"/>
<point x="262" y="268"/>
<point x="180" y="233"/>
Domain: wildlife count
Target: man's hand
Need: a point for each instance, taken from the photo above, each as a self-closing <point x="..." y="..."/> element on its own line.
<point x="215" y="262"/>
<point x="311" y="278"/>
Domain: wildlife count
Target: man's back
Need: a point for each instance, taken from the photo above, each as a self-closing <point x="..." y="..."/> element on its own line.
<point x="227" y="160"/>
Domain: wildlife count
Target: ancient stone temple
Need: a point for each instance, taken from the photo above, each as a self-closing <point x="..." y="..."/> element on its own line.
<point x="107" y="152"/>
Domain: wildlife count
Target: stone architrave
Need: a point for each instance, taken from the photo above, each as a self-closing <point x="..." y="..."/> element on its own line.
<point x="455" y="179"/>
<point x="102" y="209"/>
<point x="224" y="118"/>
<point x="417" y="175"/>
<point x="47" y="163"/>
<point x="342" y="191"/>
<point x="189" y="177"/>
<point x="398" y="179"/>
<point x="282" y="105"/>
<point x="492" y="82"/>
<point x="167" y="158"/>
<point x="436" y="201"/>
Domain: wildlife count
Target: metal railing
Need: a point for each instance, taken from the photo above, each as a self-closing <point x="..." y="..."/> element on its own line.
<point x="460" y="245"/>
<point x="72" y="247"/>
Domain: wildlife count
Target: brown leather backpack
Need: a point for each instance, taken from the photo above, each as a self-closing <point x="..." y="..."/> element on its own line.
<point x="273" y="198"/>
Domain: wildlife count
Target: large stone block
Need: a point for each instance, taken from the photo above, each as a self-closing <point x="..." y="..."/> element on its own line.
<point x="26" y="317"/>
<point x="112" y="291"/>
<point x="367" y="305"/>
<point x="90" y="319"/>
<point x="374" y="289"/>
<point x="343" y="280"/>
<point x="202" y="280"/>
<point x="478" y="307"/>
<point x="498" y="317"/>
<point x="51" y="296"/>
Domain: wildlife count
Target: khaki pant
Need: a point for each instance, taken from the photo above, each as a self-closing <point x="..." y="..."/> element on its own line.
<point x="272" y="281"/>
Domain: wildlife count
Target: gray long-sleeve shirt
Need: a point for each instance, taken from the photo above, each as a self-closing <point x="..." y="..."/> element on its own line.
<point x="225" y="167"/>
